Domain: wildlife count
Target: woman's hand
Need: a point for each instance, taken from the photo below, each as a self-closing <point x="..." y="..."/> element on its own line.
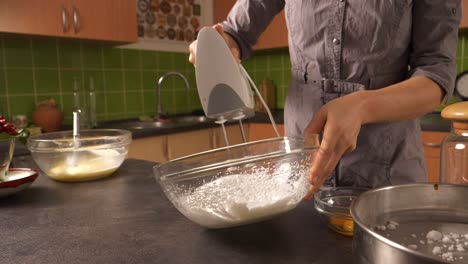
<point x="232" y="44"/>
<point x="340" y="120"/>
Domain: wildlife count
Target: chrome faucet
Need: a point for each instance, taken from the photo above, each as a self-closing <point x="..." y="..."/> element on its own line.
<point x="160" y="111"/>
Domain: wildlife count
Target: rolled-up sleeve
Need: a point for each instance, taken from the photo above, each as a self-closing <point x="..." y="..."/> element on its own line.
<point x="434" y="41"/>
<point x="248" y="19"/>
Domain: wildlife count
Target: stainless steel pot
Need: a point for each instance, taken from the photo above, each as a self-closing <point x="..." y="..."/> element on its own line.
<point x="418" y="208"/>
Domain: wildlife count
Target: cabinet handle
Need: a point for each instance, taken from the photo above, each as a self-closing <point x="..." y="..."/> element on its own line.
<point x="64" y="19"/>
<point x="432" y="145"/>
<point x="76" y="20"/>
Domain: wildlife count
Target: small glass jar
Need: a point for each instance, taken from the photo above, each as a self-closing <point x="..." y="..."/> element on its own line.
<point x="454" y="150"/>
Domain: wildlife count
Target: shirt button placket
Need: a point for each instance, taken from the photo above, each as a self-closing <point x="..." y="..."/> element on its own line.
<point x="337" y="40"/>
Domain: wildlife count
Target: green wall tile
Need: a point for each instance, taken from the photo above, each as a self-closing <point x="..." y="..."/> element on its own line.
<point x="276" y="76"/>
<point x="113" y="80"/>
<point x="180" y="61"/>
<point x="4" y="108"/>
<point x="67" y="80"/>
<point x="115" y="103"/>
<point x="132" y="80"/>
<point x="465" y="63"/>
<point x="261" y="63"/>
<point x="459" y="65"/>
<point x="112" y="58"/>
<point x="149" y="80"/>
<point x="92" y="56"/>
<point x="149" y="60"/>
<point x="3" y="89"/>
<point x="45" y="52"/>
<point x="22" y="105"/>
<point x="18" y="51"/>
<point x="2" y="65"/>
<point x="195" y="103"/>
<point x="125" y="80"/>
<point x="276" y="61"/>
<point x="67" y="108"/>
<point x="165" y="61"/>
<point x="131" y="59"/>
<point x="47" y="81"/>
<point x="177" y="84"/>
<point x="248" y="64"/>
<point x="20" y="81"/>
<point x="98" y="79"/>
<point x="133" y="102"/>
<point x="150" y="102"/>
<point x="167" y="101"/>
<point x="69" y="53"/>
<point x="101" y="104"/>
<point x="182" y="101"/>
<point x="459" y="46"/>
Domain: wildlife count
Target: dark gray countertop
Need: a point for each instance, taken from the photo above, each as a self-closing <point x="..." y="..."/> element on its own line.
<point x="126" y="218"/>
<point x="434" y="122"/>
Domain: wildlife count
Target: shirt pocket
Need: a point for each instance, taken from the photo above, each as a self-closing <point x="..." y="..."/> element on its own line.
<point x="374" y="24"/>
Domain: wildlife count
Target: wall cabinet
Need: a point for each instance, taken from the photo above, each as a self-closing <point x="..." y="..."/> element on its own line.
<point x="112" y="20"/>
<point x="275" y="35"/>
<point x="464" y="18"/>
<point x="432" y="142"/>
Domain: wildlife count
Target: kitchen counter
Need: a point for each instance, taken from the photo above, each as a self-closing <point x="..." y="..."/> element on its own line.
<point x="434" y="122"/>
<point x="126" y="218"/>
<point x="429" y="122"/>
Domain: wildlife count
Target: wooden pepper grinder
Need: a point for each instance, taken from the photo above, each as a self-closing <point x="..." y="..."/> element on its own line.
<point x="47" y="116"/>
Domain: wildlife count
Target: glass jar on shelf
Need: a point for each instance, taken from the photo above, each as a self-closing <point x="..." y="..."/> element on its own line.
<point x="454" y="150"/>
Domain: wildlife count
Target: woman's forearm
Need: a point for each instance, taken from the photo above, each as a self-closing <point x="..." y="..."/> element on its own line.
<point x="402" y="101"/>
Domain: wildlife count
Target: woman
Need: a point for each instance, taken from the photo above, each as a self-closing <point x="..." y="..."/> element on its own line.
<point x="362" y="73"/>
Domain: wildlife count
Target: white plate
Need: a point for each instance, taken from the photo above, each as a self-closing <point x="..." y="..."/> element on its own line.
<point x="18" y="179"/>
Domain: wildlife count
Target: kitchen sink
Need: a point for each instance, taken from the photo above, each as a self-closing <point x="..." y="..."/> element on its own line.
<point x="171" y="122"/>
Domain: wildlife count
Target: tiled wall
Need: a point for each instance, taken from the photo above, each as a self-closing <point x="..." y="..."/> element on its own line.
<point x="34" y="68"/>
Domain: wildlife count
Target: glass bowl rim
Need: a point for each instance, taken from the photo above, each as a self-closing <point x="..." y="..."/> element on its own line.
<point x="321" y="205"/>
<point x="233" y="162"/>
<point x="125" y="135"/>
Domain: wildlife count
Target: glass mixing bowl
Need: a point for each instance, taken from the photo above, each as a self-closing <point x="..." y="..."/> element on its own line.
<point x="239" y="184"/>
<point x="95" y="154"/>
<point x="333" y="205"/>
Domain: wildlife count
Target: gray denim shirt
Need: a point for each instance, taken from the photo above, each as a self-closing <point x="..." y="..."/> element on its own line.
<point x="341" y="46"/>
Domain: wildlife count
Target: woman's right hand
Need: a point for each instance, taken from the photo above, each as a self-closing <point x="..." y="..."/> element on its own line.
<point x="232" y="44"/>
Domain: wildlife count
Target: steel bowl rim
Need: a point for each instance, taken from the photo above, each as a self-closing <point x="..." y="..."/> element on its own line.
<point x="384" y="239"/>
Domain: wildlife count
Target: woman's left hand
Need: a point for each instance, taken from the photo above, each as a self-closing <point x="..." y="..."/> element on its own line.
<point x="340" y="121"/>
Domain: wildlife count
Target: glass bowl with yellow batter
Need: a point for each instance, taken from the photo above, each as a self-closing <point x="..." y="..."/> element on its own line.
<point x="95" y="154"/>
<point x="333" y="205"/>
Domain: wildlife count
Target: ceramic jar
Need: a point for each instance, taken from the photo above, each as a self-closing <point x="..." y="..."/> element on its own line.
<point x="48" y="117"/>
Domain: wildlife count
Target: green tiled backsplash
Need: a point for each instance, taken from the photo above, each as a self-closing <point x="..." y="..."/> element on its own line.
<point x="34" y="68"/>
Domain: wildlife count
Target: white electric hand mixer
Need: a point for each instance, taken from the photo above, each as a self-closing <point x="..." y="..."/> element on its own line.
<point x="223" y="84"/>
